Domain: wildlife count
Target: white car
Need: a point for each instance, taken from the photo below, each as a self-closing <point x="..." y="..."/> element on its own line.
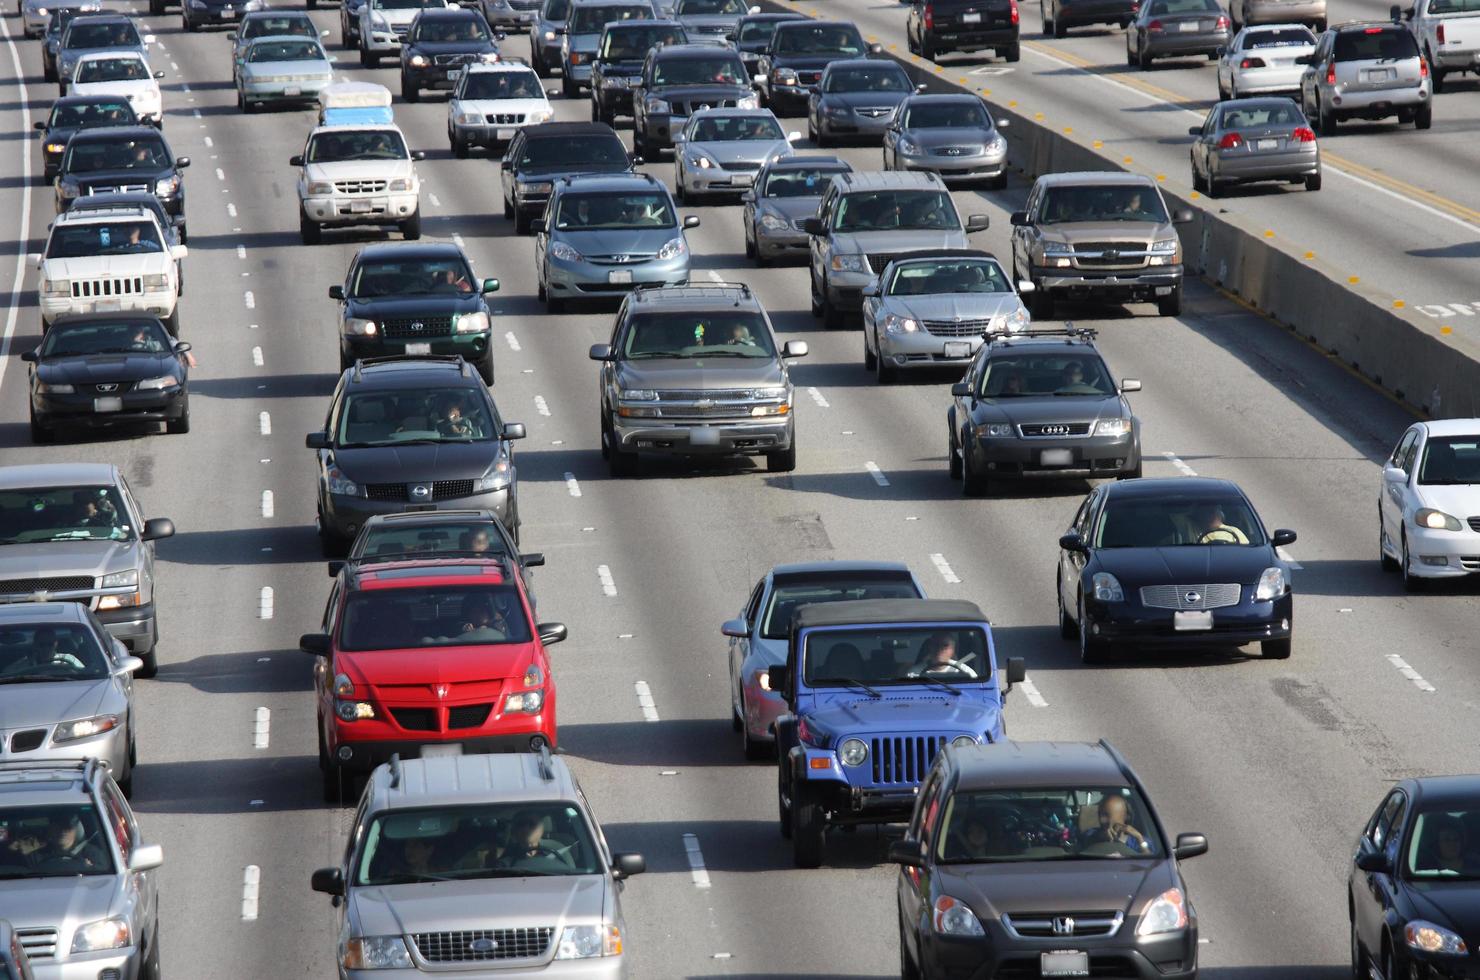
<point x="1264" y="60"/>
<point x="384" y="24"/>
<point x="357" y="175"/>
<point x="1428" y="507"/>
<point x="108" y="260"/>
<point x="493" y="102"/>
<point x="121" y="73"/>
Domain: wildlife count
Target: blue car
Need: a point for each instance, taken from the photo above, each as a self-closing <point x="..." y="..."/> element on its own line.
<point x="874" y="688"/>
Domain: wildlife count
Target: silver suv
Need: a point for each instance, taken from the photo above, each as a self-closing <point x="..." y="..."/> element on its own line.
<point x="76" y="878"/>
<point x="479" y="864"/>
<point x="696" y="372"/>
<point x="74" y="532"/>
<point x="1366" y="71"/>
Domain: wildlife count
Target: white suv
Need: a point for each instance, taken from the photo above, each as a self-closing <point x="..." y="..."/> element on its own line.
<point x="493" y="102"/>
<point x="357" y="175"/>
<point x="107" y="260"/>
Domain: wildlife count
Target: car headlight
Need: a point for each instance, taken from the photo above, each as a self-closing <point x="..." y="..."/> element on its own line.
<point x="1112" y="427"/>
<point x="375" y="953"/>
<point x="1018" y="320"/>
<point x="400" y="184"/>
<point x="1056" y="250"/>
<point x="952" y="917"/>
<point x="500" y="475"/>
<point x="699" y="160"/>
<point x="55" y="147"/>
<point x="319" y="188"/>
<point x="126" y="601"/>
<point x="838" y="111"/>
<point x="122" y="580"/>
<point x="1431" y="938"/>
<point x="197" y="4"/>
<point x="489" y="57"/>
<point x="111" y="933"/>
<point x="996" y="144"/>
<point x="584" y="942"/>
<point x="852" y="751"/>
<point x="998" y="430"/>
<point x="784" y="76"/>
<point x="767" y="394"/>
<point x="1106" y="587"/>
<point x="353" y="710"/>
<point x="524" y="703"/>
<point x="1271" y="584"/>
<point x="962" y="741"/>
<point x="672" y="249"/>
<point x="550" y="35"/>
<point x="1167" y="913"/>
<point x="747" y="102"/>
<point x="341" y="484"/>
<point x="71" y="731"/>
<point x="893" y="323"/>
<point x="419" y="61"/>
<point x="467" y="118"/>
<point x="1436" y="520"/>
<point x="1166" y="246"/>
<point x="57" y="288"/>
<point x="564" y="252"/>
<point x="657" y="105"/>
<point x="908" y="147"/>
<point x="67" y="190"/>
<point x="377" y="21"/>
<point x="471" y="323"/>
<point x="359" y="327"/>
<point x="55" y="389"/>
<point x="42" y="11"/>
<point x="849" y="263"/>
<point x="637" y="394"/>
<point x="538" y="187"/>
<point x="159" y="383"/>
<point x="773" y="222"/>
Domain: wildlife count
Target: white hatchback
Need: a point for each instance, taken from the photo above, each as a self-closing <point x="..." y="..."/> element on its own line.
<point x="105" y="260"/>
<point x="493" y="102"/>
<point x="125" y="74"/>
<point x="1428" y="506"/>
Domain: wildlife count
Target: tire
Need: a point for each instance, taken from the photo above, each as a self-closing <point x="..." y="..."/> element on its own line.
<point x="459" y="149"/>
<point x="1068" y="629"/>
<point x="150" y="969"/>
<point x="908" y="968"/>
<point x="172" y="322"/>
<point x="1359" y="955"/>
<point x="332" y="774"/>
<point x="49" y="72"/>
<point x="1012" y="53"/>
<point x="1198" y="184"/>
<point x="1170" y="305"/>
<point x="927" y="48"/>
<point x="409" y="92"/>
<point x="783" y="460"/>
<point x="1388" y="563"/>
<point x="554" y="305"/>
<point x="308" y="230"/>
<point x="884" y="372"/>
<point x="1313" y="182"/>
<point x="181" y="425"/>
<point x="832" y="317"/>
<point x="364" y="58"/>
<point x="606" y="436"/>
<point x="1424" y="118"/>
<point x="1215" y="189"/>
<point x="755" y="751"/>
<point x="374" y="59"/>
<point x="42" y="435"/>
<point x="508" y="210"/>
<point x="411" y="227"/>
<point x="569" y="88"/>
<point x="1223" y="94"/>
<point x="1325" y="121"/>
<point x="783" y="812"/>
<point x="150" y="656"/>
<point x="331" y="544"/>
<point x="521" y="223"/>
<point x="815" y="300"/>
<point x="1436" y="73"/>
<point x="870" y="360"/>
<point x="808" y="832"/>
<point x="953" y="457"/>
<point x="1091" y="650"/>
<point x="188" y="24"/>
<point x="1143" y="59"/>
<point x="749" y="245"/>
<point x="621" y="464"/>
<point x="1411" y="582"/>
<point x="1060" y="29"/>
<point x="1275" y="649"/>
<point x="973" y="484"/>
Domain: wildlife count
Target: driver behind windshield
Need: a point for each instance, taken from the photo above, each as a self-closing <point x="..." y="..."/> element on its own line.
<point x="938" y="656"/>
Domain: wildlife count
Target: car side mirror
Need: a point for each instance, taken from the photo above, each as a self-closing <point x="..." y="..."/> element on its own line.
<point x="316" y="440"/>
<point x="637" y="159"/>
<point x="552" y="92"/>
<point x="1072" y="542"/>
<point x="335" y="567"/>
<point x="1220" y="50"/>
<point x="921" y="88"/>
<point x="158" y="527"/>
<point x="295" y="160"/>
<point x="552" y="633"/>
<point x="961" y="389"/>
<point x="183" y="347"/>
<point x="490" y="286"/>
<point x="1395" y="13"/>
<point x="40" y="125"/>
<point x="418" y="155"/>
<point x="1129" y="385"/>
<point x="537" y="226"/>
<point x="910" y="853"/>
<point x="336" y="292"/>
<point x="600" y="352"/>
<point x="533" y="559"/>
<point x="35" y="258"/>
<point x="1190" y="846"/>
<point x="871" y="290"/>
<point x="330" y="881"/>
<point x="812" y="226"/>
<point x="30" y="356"/>
<point x="1393" y="474"/>
<point x="1283" y="536"/>
<point x="1025" y="286"/>
<point x="1017" y="671"/>
<point x="794" y="348"/>
<point x="876" y="49"/>
<point x="1194" y="130"/>
<point x="627" y="865"/>
<point x="1182" y="216"/>
<point x="514" y="430"/>
<point x="178" y="252"/>
<point x="181" y="163"/>
<point x="146" y="857"/>
<point x="691" y="221"/>
<point x="159" y="74"/>
<point x="128" y="665"/>
<point x="1370" y="860"/>
<point x="314" y="644"/>
<point x="1018" y="219"/>
<point x="976" y="223"/>
<point x="737" y="628"/>
<point x="748" y="197"/>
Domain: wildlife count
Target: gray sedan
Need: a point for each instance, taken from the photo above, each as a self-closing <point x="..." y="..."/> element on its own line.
<point x="786" y="193"/>
<point x="856" y="98"/>
<point x="36" y="14"/>
<point x="720" y="151"/>
<point x="282" y="69"/>
<point x="1248" y="140"/>
<point x="952" y="135"/>
<point x="1176" y="29"/>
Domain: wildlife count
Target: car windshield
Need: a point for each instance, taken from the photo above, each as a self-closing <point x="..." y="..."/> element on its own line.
<point x="1454" y="7"/>
<point x="433" y="616"/>
<point x="784" y="600"/>
<point x="1074" y="372"/>
<point x="884" y="78"/>
<point x="72" y="241"/>
<point x="699" y="71"/>
<point x="799" y="181"/>
<point x="722" y="333"/>
<point x="1068" y="823"/>
<point x="385" y="418"/>
<point x="285" y="51"/>
<point x="450" y="29"/>
<point x="948" y="276"/>
<point x="1450" y="461"/>
<point x="1445" y="844"/>
<point x="53" y="842"/>
<point x="1176" y="520"/>
<point x="86" y="115"/>
<point x="32" y="515"/>
<point x="32" y="653"/>
<point x="592" y="212"/>
<point x="633" y="43"/>
<point x="1376" y="44"/>
<point x="1259" y="114"/>
<point x="492" y="840"/>
<point x="897" y="210"/>
<point x="88" y="156"/>
<point x="946" y="115"/>
<point x="77" y="338"/>
<point x="1285" y="37"/>
<point x="588" y="19"/>
<point x="841" y="40"/>
<point x="364" y="144"/>
<point x="374" y="278"/>
<point x="495" y="85"/>
<point x="1163" y="8"/>
<point x="556" y="9"/>
<point x="570" y="153"/>
<point x="401" y="4"/>
<point x="1103" y="203"/>
<point x="424" y="538"/>
<point x="703" y="8"/>
<point x="878" y="656"/>
<point x="730" y="129"/>
<point x="112" y="70"/>
<point x="756" y="31"/>
<point x="83" y="36"/>
<point x="278" y="27"/>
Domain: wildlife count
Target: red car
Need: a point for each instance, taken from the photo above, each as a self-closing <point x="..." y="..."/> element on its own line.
<point x="426" y="656"/>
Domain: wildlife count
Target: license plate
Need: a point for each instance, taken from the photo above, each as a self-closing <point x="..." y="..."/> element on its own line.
<point x="1188" y="26"/>
<point x="504" y="134"/>
<point x="1192" y="621"/>
<point x="971" y="18"/>
<point x="444" y="749"/>
<point x="615" y="277"/>
<point x="745" y="180"/>
<point x="1056" y="457"/>
<point x="704" y="437"/>
<point x="292" y="90"/>
<point x="1061" y="963"/>
<point x="107" y="404"/>
<point x="957" y="349"/>
<point x="1376" y="74"/>
<point x="228" y="14"/>
<point x="418" y="348"/>
<point x="1266" y="144"/>
<point x="359" y="207"/>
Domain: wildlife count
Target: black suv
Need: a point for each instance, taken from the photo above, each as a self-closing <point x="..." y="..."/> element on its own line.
<point x="122" y="158"/>
<point x="680" y="80"/>
<point x="440" y="43"/>
<point x="753" y="36"/>
<point x="937" y="27"/>
<point x="415" y="300"/>
<point x="1044" y="404"/>
<point x="540" y="155"/>
<point x="1042" y="859"/>
<point x="412" y="434"/>
<point x="71" y="113"/>
<point x="798" y="53"/>
<point x="617" y="65"/>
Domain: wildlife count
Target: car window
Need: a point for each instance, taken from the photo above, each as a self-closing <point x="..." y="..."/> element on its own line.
<point x="1175" y="520"/>
<point x="82" y="116"/>
<point x="1068" y="373"/>
<point x="731" y="129"/>
<point x="633" y="43"/>
<point x="1162" y="8"/>
<point x="388" y="418"/>
<point x="710" y="334"/>
<point x="118" y="821"/>
<point x="495" y="840"/>
<point x="1409" y="454"/>
<point x="698" y="71"/>
<point x="428" y="617"/>
<point x="1400" y="452"/>
<point x="450" y="538"/>
<point x="1376" y="44"/>
<point x="753" y="604"/>
<point x="503" y="85"/>
<point x="756" y="31"/>
<point x="1445" y="843"/>
<point x="785" y="599"/>
<point x="945" y="115"/>
<point x="948" y="276"/>
<point x="923" y="820"/>
<point x="1450" y="461"/>
<point x="841" y="40"/>
<point x="112" y="70"/>
<point x="589" y="19"/>
<point x="285" y="51"/>
<point x="119" y="35"/>
<point x="1104" y="203"/>
<point x="32" y="515"/>
<point x="278" y="27"/>
<point x="104" y="238"/>
<point x="880" y="656"/>
<point x="556" y="9"/>
<point x="1382" y="820"/>
<point x="1454" y="6"/>
<point x="897" y="211"/>
<point x="1267" y="114"/>
<point x="53" y="842"/>
<point x="364" y="144"/>
<point x="31" y="653"/>
<point x="90" y="156"/>
<point x="885" y="78"/>
<point x="572" y="154"/>
<point x="595" y="211"/>
<point x="799" y="181"/>
<point x="449" y="276"/>
<point x="451" y="29"/>
<point x="701" y="8"/>
<point x="1281" y="37"/>
<point x="1066" y="823"/>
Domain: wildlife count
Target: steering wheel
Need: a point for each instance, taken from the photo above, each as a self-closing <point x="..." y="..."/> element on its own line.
<point x="950" y="666"/>
<point x="1218" y="535"/>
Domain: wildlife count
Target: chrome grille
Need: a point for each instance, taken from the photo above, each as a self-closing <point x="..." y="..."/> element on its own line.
<point x="28" y="741"/>
<point x="879" y="262"/>
<point x="39" y="944"/>
<point x="441" y="490"/>
<point x="415" y="328"/>
<point x="1190" y="596"/>
<point x="620" y="259"/>
<point x="694" y="105"/>
<point x="693" y="394"/>
<point x="360" y="186"/>
<point x="61" y="583"/>
<point x="1475" y="524"/>
<point x="903" y="759"/>
<point x="1053" y="430"/>
<point x="1050" y="925"/>
<point x="483" y="945"/>
<point x="504" y="118"/>
<point x="94" y="288"/>
<point x="956" y="328"/>
<point x="1119" y="254"/>
<point x="742" y="166"/>
<point x="453" y="60"/>
<point x="875" y="111"/>
<point x="956" y="151"/>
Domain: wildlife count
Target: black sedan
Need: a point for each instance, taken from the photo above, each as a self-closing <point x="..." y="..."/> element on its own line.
<point x="1413" y="894"/>
<point x="106" y="369"/>
<point x="73" y="112"/>
<point x="439" y="45"/>
<point x="1180" y="562"/>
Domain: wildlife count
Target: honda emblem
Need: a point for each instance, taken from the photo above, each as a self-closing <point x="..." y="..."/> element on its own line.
<point x="1063" y="925"/>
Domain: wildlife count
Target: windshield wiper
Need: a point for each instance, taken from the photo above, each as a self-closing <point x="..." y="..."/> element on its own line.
<point x="727" y="353"/>
<point x="1081" y="394"/>
<point x="848" y="682"/>
<point x="419" y="442"/>
<point x="655" y="355"/>
<point x="939" y="685"/>
<point x="524" y="873"/>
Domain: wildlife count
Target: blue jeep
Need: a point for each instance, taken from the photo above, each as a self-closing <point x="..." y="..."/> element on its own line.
<point x="873" y="689"/>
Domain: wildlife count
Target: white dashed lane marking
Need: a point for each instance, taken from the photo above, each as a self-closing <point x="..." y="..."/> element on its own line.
<point x="513" y="340"/>
<point x="261" y="727"/>
<point x="608" y="584"/>
<point x="572" y="485"/>
<point x="541" y="406"/>
<point x="817" y="397"/>
<point x="241" y="251"/>
<point x="264" y="423"/>
<point x="1030" y="691"/>
<point x="645" y="701"/>
<point x="264" y="602"/>
<point x="436" y="203"/>
<point x="944" y="567"/>
<point x="250" y="300"/>
<point x="697" y="871"/>
<point x="876" y="473"/>
<point x="267" y="506"/>
<point x="257" y="356"/>
<point x="231" y="210"/>
<point x="251" y="882"/>
<point x="1182" y="467"/>
<point x="1414" y="676"/>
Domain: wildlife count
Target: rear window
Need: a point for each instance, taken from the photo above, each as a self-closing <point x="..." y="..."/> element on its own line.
<point x="93" y="114"/>
<point x="1376" y="44"/>
<point x="278" y="27"/>
<point x="1164" y="7"/>
<point x="1281" y="37"/>
<point x="1454" y="7"/>
<point x="573" y="153"/>
<point x="1252" y="117"/>
<point x="589" y="20"/>
<point x="451" y="538"/>
<point x="800" y="182"/>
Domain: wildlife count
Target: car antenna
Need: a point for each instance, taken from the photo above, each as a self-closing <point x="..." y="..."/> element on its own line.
<point x="547" y="765"/>
<point x="396" y="771"/>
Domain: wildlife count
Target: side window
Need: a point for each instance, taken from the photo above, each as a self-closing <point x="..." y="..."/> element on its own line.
<point x="1081" y="517"/>
<point x="1383" y="821"/>
<point x="136" y="515"/>
<point x="1410" y="455"/>
<point x="357" y="831"/>
<point x="118" y="821"/>
<point x="753" y="607"/>
<point x="918" y="819"/>
<point x="331" y="608"/>
<point x="1401" y="450"/>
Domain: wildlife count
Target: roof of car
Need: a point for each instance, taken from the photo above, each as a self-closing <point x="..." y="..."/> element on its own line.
<point x="1453" y="427"/>
<point x="369" y="574"/>
<point x="448" y="13"/>
<point x="708" y="295"/>
<point x="1464" y="788"/>
<point x="41" y="612"/>
<point x="943" y="253"/>
<point x="115" y="199"/>
<point x="864" y="63"/>
<point x="731" y="111"/>
<point x="567" y="130"/>
<point x="808" y="162"/>
<point x="480" y="68"/>
<point x="70" y="217"/>
<point x="412" y="372"/>
<point x="44" y="783"/>
<point x="113" y="54"/>
<point x="1182" y="486"/>
<point x="285" y="14"/>
<point x="89" y="100"/>
<point x="278" y="38"/>
<point x="676" y="51"/>
<point x="357" y="128"/>
<point x="610" y="3"/>
<point x="513" y="777"/>
<point x="1004" y="342"/>
<point x="36" y="475"/>
<point x="933" y="98"/>
<point x="609" y="182"/>
<point x="884" y="180"/>
<point x="827" y="571"/>
<point x="1035" y="764"/>
<point x="642" y="23"/>
<point x="410" y="250"/>
<point x="817" y="22"/>
<point x="1092" y="178"/>
<point x="1363" y="25"/>
<point x="872" y="612"/>
<point x="101" y="133"/>
<point x="776" y="16"/>
<point x="103" y="16"/>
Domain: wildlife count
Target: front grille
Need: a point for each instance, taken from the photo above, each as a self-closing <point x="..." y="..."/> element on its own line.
<point x="956" y="328"/>
<point x="904" y="759"/>
<point x="118" y="189"/>
<point x="386" y="491"/>
<point x="401" y="30"/>
<point x="878" y="262"/>
<point x="620" y="259"/>
<point x="414" y="328"/>
<point x="468" y="715"/>
<point x="61" y="583"/>
<point x="1053" y="430"/>
<point x="1475" y="524"/>
<point x="1470" y="563"/>
<point x="693" y="394"/>
<point x="28" y="741"/>
<point x="483" y="945"/>
<point x="451" y="489"/>
<point x="454" y="60"/>
<point x="956" y="151"/>
<point x="110" y="974"/>
<point x="694" y="105"/>
<point x="1050" y="925"/>
<point x="743" y="166"/>
<point x="504" y="118"/>
<point x="112" y="388"/>
<point x="416" y="719"/>
<point x="39" y="944"/>
<point x="441" y="490"/>
<point x="1096" y="254"/>
<point x="360" y="186"/>
<point x="875" y="111"/>
<point x="94" y="288"/>
<point x="1190" y="596"/>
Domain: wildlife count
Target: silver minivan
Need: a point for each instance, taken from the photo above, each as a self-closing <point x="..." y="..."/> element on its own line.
<point x="1366" y="71"/>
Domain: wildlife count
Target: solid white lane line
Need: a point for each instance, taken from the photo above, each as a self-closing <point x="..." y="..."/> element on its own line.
<point x="944" y="567"/>
<point x="817" y="397"/>
<point x="572" y="485"/>
<point x="264" y="602"/>
<point x="261" y="728"/>
<point x="267" y="503"/>
<point x="608" y="584"/>
<point x="435" y="202"/>
<point x="1288" y="559"/>
<point x="876" y="473"/>
<point x="264" y="423"/>
<point x="645" y="701"/>
<point x="250" y="300"/>
<point x="1182" y="467"/>
<point x="257" y="356"/>
<point x="25" y="215"/>
<point x="513" y="340"/>
<point x="696" y="861"/>
<point x="251" y="883"/>
<point x="1410" y="673"/>
<point x="715" y="276"/>
<point x="541" y="406"/>
<point x="1030" y="691"/>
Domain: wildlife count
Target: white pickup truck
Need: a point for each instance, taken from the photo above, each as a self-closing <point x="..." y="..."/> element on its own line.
<point x="110" y="259"/>
<point x="1448" y="34"/>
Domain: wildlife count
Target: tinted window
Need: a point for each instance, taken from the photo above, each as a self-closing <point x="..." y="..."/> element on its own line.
<point x="92" y="337"/>
<point x="1454" y="6"/>
<point x="1072" y="372"/>
<point x="892" y="210"/>
<point x="53" y="842"/>
<point x="633" y="43"/>
<point x="842" y="40"/>
<point x="1139" y="522"/>
<point x="784" y="600"/>
<point x="1375" y="44"/>
<point x="1161" y="8"/>
<point x="725" y="129"/>
<point x="699" y="71"/>
<point x="799" y="182"/>
<point x="93" y="155"/>
<point x="102" y="36"/>
<point x="590" y="212"/>
<point x="878" y="656"/>
<point x="503" y="85"/>
<point x="1046" y="824"/>
<point x="432" y="539"/>
<point x="885" y="78"/>
<point x="1108" y="203"/>
<point x="508" y="840"/>
<point x="1445" y="844"/>
<point x="285" y="51"/>
<point x="401" y="4"/>
<point x="573" y="153"/>
<point x="63" y="652"/>
<point x="433" y="616"/>
<point x="734" y="333"/>
<point x="96" y="114"/>
<point x="379" y="144"/>
<point x="112" y="70"/>
<point x="63" y="514"/>
<point x="1268" y="114"/>
<point x="1450" y="461"/>
<point x="757" y="31"/>
<point x="104" y="238"/>
<point x="385" y="418"/>
<point x="1280" y="37"/>
<point x="449" y="276"/>
<point x="590" y="19"/>
<point x="700" y="8"/>
<point x="451" y="29"/>
<point x="945" y="115"/>
<point x="278" y="26"/>
<point x="557" y="9"/>
<point x="948" y="276"/>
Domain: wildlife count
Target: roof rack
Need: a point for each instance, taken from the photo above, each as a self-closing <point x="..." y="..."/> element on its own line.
<point x="546" y="764"/>
<point x="103" y="212"/>
<point x="80" y="764"/>
<point x="1069" y="332"/>
<point x="650" y="287"/>
<point x="364" y="362"/>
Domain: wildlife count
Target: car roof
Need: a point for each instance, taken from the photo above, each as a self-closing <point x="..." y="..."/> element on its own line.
<point x="395" y="373"/>
<point x="819" y="22"/>
<point x="409" y="250"/>
<point x="98" y="134"/>
<point x="103" y="17"/>
<point x="1453" y="427"/>
<point x="448" y="13"/>
<point x="732" y="111"/>
<point x="828" y="571"/>
<point x="884" y="180"/>
<point x="44" y="783"/>
<point x="358" y="128"/>
<point x="87" y="215"/>
<point x="285" y="14"/>
<point x="610" y="3"/>
<point x="12" y="613"/>
<point x="796" y="162"/>
<point x="114" y="54"/>
<point x="609" y="182"/>
<point x="415" y="517"/>
<point x="263" y="38"/>
<point x="936" y="98"/>
<point x="778" y="16"/>
<point x="1091" y="178"/>
<point x="567" y="130"/>
<point x="1442" y="790"/>
<point x="864" y="63"/>
<point x="1181" y="486"/>
<point x="90" y="100"/>
<point x="509" y="777"/>
<point x="37" y="475"/>
<point x="1038" y="764"/>
<point x="481" y="68"/>
<point x="1364" y="25"/>
<point x="944" y="253"/>
<point x="708" y="295"/>
<point x="642" y="23"/>
<point x="856" y="612"/>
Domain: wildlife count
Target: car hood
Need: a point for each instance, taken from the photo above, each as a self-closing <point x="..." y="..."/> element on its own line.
<point x="114" y="178"/>
<point x="863" y="100"/>
<point x="418" y="463"/>
<point x="1067" y="409"/>
<point x="792" y="208"/>
<point x="912" y="709"/>
<point x="618" y="241"/>
<point x="454" y="47"/>
<point x="1110" y="884"/>
<point x="1457" y="501"/>
<point x="359" y="170"/>
<point x="398" y="306"/>
<point x="52" y="559"/>
<point x="958" y="136"/>
<point x="130" y="88"/>
<point x="51" y="903"/>
<point x="489" y="107"/>
<point x="1131" y="232"/>
<point x="410" y="676"/>
<point x="1190" y="564"/>
<point x="89" y="266"/>
<point x="744" y="151"/>
<point x="894" y="240"/>
<point x="454" y="906"/>
<point x="269" y="68"/>
<point x="93" y="368"/>
<point x="965" y="306"/>
<point x="698" y="93"/>
<point x="44" y="704"/>
<point x="396" y="16"/>
<point x="701" y="373"/>
<point x="1454" y="904"/>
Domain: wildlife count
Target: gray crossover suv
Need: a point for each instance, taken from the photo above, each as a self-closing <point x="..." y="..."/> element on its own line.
<point x="74" y="532"/>
<point x="695" y="372"/>
<point x="1367" y="71"/>
<point x="483" y="865"/>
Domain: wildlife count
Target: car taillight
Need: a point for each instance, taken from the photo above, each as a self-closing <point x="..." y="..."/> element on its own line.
<point x="1374" y="30"/>
<point x="1222" y="24"/>
<point x="1304" y="135"/>
<point x="1155" y="27"/>
<point x="1230" y="141"/>
<point x="929" y="17"/>
<point x="1015" y="19"/>
<point x="1331" y="73"/>
<point x="1439" y="34"/>
<point x="1251" y="63"/>
<point x="1423" y="68"/>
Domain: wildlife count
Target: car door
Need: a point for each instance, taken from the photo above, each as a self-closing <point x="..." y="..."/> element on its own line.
<point x="125" y="829"/>
<point x="1023" y="235"/>
<point x="818" y="244"/>
<point x="1310" y="79"/>
<point x="1071" y="563"/>
<point x="1204" y="141"/>
<point x="1372" y="891"/>
<point x="740" y="645"/>
<point x="146" y="548"/>
<point x="913" y="884"/>
<point x="1394" y="499"/>
<point x="507" y="169"/>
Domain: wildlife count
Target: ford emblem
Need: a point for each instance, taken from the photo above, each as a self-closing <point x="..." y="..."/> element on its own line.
<point x="482" y="945"/>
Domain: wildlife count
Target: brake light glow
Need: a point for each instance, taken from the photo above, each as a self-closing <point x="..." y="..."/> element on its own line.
<point x="1015" y="19"/>
<point x="1439" y="34"/>
<point x="1155" y="27"/>
<point x="1373" y="30"/>
<point x="1222" y="24"/>
<point x="930" y="17"/>
<point x="1423" y="68"/>
<point x="1303" y="135"/>
<point x="1230" y="141"/>
<point x="1251" y="63"/>
<point x="1331" y="73"/>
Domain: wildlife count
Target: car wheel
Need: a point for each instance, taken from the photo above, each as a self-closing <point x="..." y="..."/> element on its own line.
<point x="374" y="59"/>
<point x="870" y="361"/>
<point x="737" y="722"/>
<point x="1143" y="59"/>
<point x="783" y="460"/>
<point x="333" y="776"/>
<point x="411" y="227"/>
<point x="783" y="811"/>
<point x="553" y="304"/>
<point x="1325" y="120"/>
<point x="409" y="92"/>
<point x="884" y="370"/>
<point x="1060" y="29"/>
<point x="973" y="483"/>
<point x="1170" y="305"/>
<point x="42" y="435"/>
<point x="308" y="230"/>
<point x="459" y="149"/>
<point x="188" y="24"/>
<point x="1091" y="650"/>
<point x="150" y="969"/>
<point x="1223" y="95"/>
<point x="1389" y="564"/>
<point x="49" y="72"/>
<point x="953" y="456"/>
<point x="1198" y="184"/>
<point x="1313" y="182"/>
<point x="1411" y="582"/>
<point x="815" y="299"/>
<point x="1042" y="301"/>
<point x="808" y="831"/>
<point x="1012" y="53"/>
<point x="150" y="656"/>
<point x="1436" y="73"/>
<point x="1068" y="629"/>
<point x="749" y="244"/>
<point x="755" y="750"/>
<point x="832" y="317"/>
<point x="606" y="436"/>
<point x="180" y="426"/>
<point x="1359" y="955"/>
<point x="1424" y="118"/>
<point x="364" y="58"/>
<point x="908" y="968"/>
<point x="1275" y="649"/>
<point x="126" y="784"/>
<point x="927" y="47"/>
<point x="521" y="223"/>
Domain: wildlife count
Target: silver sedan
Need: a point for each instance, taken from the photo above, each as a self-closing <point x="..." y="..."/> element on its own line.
<point x="36" y="14"/>
<point x="1264" y="60"/>
<point x="952" y="135"/>
<point x="720" y="151"/>
<point x="282" y="69"/>
<point x="786" y="193"/>
<point x="1249" y="140"/>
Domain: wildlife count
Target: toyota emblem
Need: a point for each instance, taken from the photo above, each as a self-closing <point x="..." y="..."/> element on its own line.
<point x="1192" y="597"/>
<point x="418" y="326"/>
<point x="1063" y="925"/>
<point x="482" y="945"/>
<point x="108" y="387"/>
<point x="420" y="491"/>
